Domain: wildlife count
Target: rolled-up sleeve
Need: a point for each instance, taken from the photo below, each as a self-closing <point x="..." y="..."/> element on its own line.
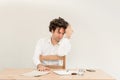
<point x="38" y="51"/>
<point x="64" y="47"/>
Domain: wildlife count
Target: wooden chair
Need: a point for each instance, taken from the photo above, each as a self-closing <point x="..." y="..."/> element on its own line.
<point x="50" y="57"/>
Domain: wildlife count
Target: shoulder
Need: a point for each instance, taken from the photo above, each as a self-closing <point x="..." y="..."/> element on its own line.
<point x="42" y="40"/>
<point x="65" y="41"/>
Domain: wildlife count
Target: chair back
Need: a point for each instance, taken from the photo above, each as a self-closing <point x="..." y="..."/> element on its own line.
<point x="62" y="58"/>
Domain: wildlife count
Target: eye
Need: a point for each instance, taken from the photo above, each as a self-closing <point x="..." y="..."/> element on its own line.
<point x="58" y="32"/>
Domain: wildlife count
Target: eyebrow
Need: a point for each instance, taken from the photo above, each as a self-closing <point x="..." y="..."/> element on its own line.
<point x="60" y="32"/>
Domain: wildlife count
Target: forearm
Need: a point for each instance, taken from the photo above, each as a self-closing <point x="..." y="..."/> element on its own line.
<point x="69" y="32"/>
<point x="50" y="57"/>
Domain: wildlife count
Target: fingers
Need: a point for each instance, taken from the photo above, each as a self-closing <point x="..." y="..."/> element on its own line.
<point x="47" y="68"/>
<point x="69" y="32"/>
<point x="43" y="68"/>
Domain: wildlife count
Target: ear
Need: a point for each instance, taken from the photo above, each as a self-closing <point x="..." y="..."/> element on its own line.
<point x="52" y="31"/>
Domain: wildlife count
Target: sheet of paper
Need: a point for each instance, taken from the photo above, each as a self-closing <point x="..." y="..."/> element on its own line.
<point x="35" y="73"/>
<point x="64" y="72"/>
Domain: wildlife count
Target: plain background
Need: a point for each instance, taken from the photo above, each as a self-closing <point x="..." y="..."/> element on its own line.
<point x="95" y="41"/>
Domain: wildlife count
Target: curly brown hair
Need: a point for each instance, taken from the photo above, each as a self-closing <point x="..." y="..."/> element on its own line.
<point x="58" y="23"/>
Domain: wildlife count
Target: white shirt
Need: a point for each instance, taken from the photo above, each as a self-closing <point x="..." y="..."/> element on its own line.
<point x="45" y="47"/>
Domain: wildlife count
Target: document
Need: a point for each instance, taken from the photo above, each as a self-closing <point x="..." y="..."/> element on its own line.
<point x="68" y="72"/>
<point x="36" y="73"/>
<point x="62" y="72"/>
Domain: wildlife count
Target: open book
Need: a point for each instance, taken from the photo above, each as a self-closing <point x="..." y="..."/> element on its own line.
<point x="35" y="73"/>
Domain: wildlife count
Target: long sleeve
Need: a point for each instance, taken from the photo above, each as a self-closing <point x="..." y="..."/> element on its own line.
<point x="65" y="47"/>
<point x="38" y="51"/>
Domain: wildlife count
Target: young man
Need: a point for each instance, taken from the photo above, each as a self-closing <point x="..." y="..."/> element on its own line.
<point x="55" y="45"/>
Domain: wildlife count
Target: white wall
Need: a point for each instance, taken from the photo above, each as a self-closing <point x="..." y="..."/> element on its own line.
<point x="95" y="42"/>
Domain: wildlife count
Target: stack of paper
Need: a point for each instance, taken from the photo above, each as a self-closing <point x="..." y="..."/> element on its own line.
<point x="36" y="73"/>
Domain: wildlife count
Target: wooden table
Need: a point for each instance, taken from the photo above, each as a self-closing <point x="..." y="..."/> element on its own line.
<point x="15" y="74"/>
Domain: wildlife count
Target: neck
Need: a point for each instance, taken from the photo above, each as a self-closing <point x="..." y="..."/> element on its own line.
<point x="53" y="41"/>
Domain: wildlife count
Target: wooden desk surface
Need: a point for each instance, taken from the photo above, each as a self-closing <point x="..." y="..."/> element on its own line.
<point x="13" y="74"/>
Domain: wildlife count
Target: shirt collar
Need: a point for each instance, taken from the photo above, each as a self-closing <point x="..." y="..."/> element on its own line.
<point x="49" y="41"/>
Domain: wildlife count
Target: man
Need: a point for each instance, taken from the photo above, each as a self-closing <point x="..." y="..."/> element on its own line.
<point x="56" y="45"/>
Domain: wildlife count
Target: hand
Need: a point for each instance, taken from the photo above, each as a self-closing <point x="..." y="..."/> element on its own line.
<point x="42" y="68"/>
<point x="69" y="32"/>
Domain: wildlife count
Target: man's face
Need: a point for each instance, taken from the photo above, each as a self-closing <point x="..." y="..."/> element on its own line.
<point x="58" y="34"/>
